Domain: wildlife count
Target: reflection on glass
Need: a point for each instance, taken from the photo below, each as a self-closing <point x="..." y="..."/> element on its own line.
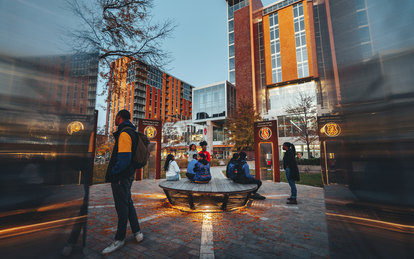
<point x="365" y="55"/>
<point x="150" y="169"/>
<point x="266" y="161"/>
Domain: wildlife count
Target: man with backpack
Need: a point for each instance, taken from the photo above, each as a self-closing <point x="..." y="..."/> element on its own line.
<point x="120" y="174"/>
<point x="231" y="166"/>
<point x="243" y="175"/>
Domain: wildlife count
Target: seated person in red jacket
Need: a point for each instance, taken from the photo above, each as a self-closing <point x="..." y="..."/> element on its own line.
<point x="204" y="151"/>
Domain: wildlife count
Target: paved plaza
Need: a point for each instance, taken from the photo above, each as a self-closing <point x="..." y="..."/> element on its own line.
<point x="262" y="229"/>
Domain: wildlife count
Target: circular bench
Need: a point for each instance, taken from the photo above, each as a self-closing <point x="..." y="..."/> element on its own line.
<point x="218" y="194"/>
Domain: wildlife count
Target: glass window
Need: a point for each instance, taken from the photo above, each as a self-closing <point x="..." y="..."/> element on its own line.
<point x="231" y="25"/>
<point x="232" y="77"/>
<point x="364" y="34"/>
<point x="231" y="38"/>
<point x="300" y="41"/>
<point x="275" y="48"/>
<point x="231" y="51"/>
<point x="359" y="4"/>
<point x="366" y="50"/>
<point x="231" y="63"/>
<point x="362" y="18"/>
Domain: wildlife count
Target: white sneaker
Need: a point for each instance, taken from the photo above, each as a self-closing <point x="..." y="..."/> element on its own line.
<point x="113" y="246"/>
<point x="139" y="236"/>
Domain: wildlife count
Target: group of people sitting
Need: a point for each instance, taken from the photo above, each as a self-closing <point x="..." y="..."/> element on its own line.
<point x="198" y="169"/>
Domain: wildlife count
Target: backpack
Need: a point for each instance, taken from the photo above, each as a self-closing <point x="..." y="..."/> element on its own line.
<point x="141" y="153"/>
<point x="230" y="170"/>
<point x="238" y="171"/>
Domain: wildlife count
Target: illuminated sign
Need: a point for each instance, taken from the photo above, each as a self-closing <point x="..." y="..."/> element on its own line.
<point x="74" y="126"/>
<point x="331" y="129"/>
<point x="150" y="131"/>
<point x="265" y="133"/>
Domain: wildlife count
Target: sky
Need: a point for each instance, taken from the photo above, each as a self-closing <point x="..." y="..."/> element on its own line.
<point x="198" y="45"/>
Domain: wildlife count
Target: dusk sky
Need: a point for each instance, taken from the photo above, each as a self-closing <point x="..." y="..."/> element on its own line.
<point x="198" y="45"/>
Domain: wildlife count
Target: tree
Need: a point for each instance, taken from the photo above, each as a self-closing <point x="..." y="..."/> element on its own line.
<point x="304" y="112"/>
<point x="120" y="28"/>
<point x="241" y="126"/>
<point x="103" y="145"/>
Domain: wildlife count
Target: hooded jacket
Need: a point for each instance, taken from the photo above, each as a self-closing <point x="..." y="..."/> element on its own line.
<point x="202" y="171"/>
<point x="120" y="163"/>
<point x="289" y="161"/>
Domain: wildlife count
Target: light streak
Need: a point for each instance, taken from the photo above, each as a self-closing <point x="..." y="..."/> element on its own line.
<point x="22" y="230"/>
<point x="376" y="223"/>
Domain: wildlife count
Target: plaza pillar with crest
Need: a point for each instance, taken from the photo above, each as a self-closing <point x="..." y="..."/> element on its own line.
<point x="153" y="130"/>
<point x="266" y="150"/>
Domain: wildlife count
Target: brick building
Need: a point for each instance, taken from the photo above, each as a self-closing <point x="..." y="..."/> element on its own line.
<point x="272" y="58"/>
<point x="147" y="92"/>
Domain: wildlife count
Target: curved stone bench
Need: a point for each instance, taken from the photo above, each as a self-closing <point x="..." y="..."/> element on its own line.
<point x="218" y="194"/>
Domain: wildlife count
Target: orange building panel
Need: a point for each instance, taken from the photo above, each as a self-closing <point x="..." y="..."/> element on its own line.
<point x="287" y="44"/>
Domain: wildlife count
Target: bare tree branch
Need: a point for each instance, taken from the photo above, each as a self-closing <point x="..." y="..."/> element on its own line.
<point x="120" y="28"/>
<point x="304" y="111"/>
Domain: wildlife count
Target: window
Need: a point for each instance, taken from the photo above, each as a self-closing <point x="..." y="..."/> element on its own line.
<point x="300" y="41"/>
<point x="232" y="77"/>
<point x="231" y="51"/>
<point x="231" y="64"/>
<point x="275" y="48"/>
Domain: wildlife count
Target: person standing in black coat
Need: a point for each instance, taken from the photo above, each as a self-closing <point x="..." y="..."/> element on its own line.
<point x="292" y="171"/>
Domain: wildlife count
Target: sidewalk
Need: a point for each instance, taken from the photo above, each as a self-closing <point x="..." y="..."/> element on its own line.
<point x="263" y="229"/>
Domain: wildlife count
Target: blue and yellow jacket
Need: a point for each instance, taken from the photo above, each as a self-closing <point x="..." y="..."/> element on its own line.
<point x="120" y="164"/>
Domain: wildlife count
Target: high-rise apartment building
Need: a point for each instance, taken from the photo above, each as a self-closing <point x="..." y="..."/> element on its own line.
<point x="147" y="92"/>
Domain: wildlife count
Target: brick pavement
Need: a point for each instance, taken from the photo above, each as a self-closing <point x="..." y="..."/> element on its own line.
<point x="262" y="229"/>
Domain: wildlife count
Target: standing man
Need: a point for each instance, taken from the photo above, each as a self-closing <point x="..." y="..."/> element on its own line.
<point x="120" y="174"/>
<point x="204" y="151"/>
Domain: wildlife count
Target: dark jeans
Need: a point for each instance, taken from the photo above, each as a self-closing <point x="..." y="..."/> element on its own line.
<point x="190" y="176"/>
<point x="250" y="181"/>
<point x="124" y="206"/>
<point x="292" y="184"/>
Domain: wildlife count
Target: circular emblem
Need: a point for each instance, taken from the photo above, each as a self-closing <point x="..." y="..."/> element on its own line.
<point x="265" y="133"/>
<point x="150" y="131"/>
<point x="74" y="126"/>
<point x="331" y="129"/>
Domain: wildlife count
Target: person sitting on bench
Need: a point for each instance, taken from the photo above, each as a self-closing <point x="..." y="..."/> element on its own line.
<point x="190" y="168"/>
<point x="231" y="166"/>
<point x="202" y="170"/>
<point x="243" y="175"/>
